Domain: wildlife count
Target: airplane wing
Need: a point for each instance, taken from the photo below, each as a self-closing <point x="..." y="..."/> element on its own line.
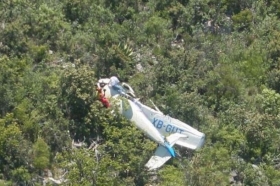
<point x="162" y="155"/>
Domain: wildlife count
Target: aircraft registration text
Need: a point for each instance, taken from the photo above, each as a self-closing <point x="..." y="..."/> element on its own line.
<point x="168" y="127"/>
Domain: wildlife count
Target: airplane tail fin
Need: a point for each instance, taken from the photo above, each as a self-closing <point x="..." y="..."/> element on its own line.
<point x="163" y="153"/>
<point x="161" y="156"/>
<point x="169" y="149"/>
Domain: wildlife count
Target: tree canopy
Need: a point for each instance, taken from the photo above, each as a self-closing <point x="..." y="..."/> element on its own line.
<point x="212" y="64"/>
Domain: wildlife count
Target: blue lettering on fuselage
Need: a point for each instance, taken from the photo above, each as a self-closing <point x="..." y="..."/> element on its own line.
<point x="159" y="124"/>
<point x="154" y="121"/>
<point x="168" y="127"/>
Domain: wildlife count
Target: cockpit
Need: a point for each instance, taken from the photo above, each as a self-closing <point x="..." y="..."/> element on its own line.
<point x="128" y="89"/>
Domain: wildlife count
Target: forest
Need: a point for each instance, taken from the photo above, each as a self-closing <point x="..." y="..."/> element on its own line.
<point x="213" y="64"/>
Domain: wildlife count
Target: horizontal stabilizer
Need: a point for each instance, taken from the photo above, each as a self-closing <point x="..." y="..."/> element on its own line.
<point x="173" y="138"/>
<point x="161" y="156"/>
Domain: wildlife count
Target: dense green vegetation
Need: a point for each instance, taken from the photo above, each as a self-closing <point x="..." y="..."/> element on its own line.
<point x="212" y="64"/>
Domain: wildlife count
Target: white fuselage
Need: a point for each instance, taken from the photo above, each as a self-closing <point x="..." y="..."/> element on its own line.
<point x="154" y="123"/>
<point x="167" y="125"/>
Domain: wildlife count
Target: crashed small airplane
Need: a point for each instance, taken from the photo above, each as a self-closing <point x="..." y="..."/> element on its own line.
<point x="163" y="129"/>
